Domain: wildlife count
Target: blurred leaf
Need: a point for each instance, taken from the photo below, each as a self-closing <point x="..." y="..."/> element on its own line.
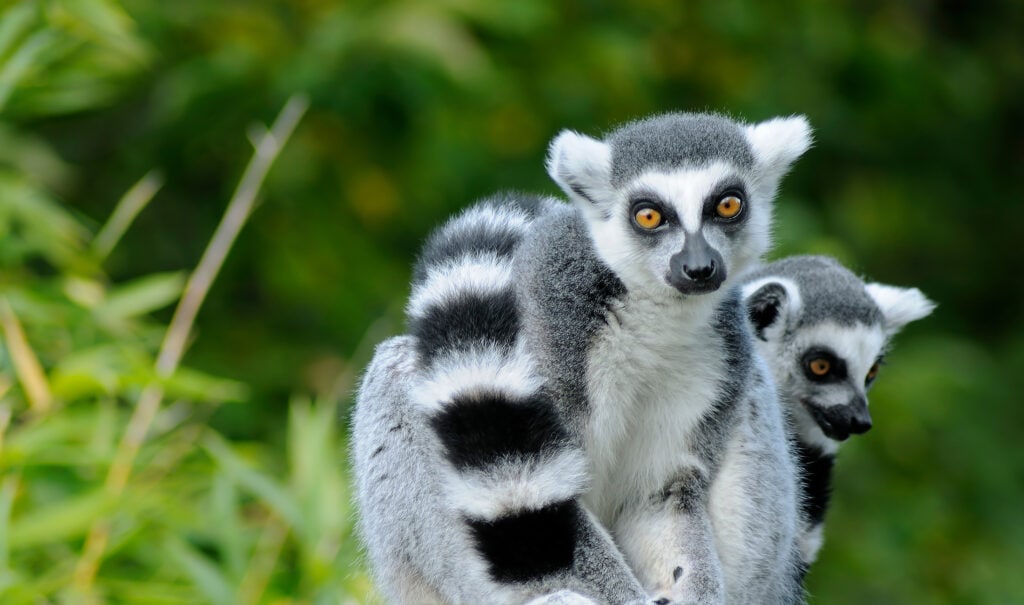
<point x="22" y="62"/>
<point x="149" y="592"/>
<point x="143" y="295"/>
<point x="8" y="489"/>
<point x="30" y="372"/>
<point x="203" y="573"/>
<point x="104" y="370"/>
<point x="43" y="227"/>
<point x="194" y="385"/>
<point x="256" y="483"/>
<point x="63" y="520"/>
<point x="15" y="21"/>
<point x="227" y="523"/>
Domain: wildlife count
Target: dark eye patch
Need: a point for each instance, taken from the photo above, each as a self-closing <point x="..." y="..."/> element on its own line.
<point x="730" y="186"/>
<point x="837" y="366"/>
<point x="645" y="199"/>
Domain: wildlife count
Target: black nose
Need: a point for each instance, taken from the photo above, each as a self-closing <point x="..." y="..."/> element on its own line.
<point x="840" y="421"/>
<point x="697" y="268"/>
<point x="860" y="420"/>
<point x="700" y="272"/>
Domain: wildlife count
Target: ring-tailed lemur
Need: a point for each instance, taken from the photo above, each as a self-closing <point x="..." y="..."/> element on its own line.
<point x="544" y="429"/>
<point x="824" y="333"/>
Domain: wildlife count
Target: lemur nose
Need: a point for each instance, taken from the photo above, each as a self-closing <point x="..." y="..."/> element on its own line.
<point x="701" y="273"/>
<point x="860" y="424"/>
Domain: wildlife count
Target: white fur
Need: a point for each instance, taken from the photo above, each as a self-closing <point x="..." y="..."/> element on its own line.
<point x="562" y="597"/>
<point x="483" y="369"/>
<point x="900" y="306"/>
<point x="793" y="302"/>
<point x="858" y="345"/>
<point x="811" y="542"/>
<point x="685" y="189"/>
<point x="776" y="144"/>
<point x="514" y="486"/>
<point x="642" y="539"/>
<point x="480" y="274"/>
<point x="790" y="307"/>
<point x="649" y="386"/>
<point x="807" y="428"/>
<point x="577" y="159"/>
<point x="494" y="218"/>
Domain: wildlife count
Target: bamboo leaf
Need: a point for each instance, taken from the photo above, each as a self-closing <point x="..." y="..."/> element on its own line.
<point x="26" y="364"/>
<point x="23" y="61"/>
<point x="148" y="591"/>
<point x="65" y="520"/>
<point x="227" y="524"/>
<point x="273" y="494"/>
<point x="8" y="489"/>
<point x="143" y="295"/>
<point x="194" y="385"/>
<point x="128" y="207"/>
<point x="201" y="571"/>
<point x="14" y="23"/>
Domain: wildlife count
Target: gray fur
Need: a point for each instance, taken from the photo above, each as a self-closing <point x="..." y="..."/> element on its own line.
<point x="566" y="308"/>
<point x="674" y="140"/>
<point x="837" y="294"/>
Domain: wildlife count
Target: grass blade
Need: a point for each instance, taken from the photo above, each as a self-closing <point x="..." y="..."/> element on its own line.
<point x="200" y="570"/>
<point x="128" y="207"/>
<point x="26" y="364"/>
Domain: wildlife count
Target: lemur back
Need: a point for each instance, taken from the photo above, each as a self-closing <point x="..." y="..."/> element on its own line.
<point x="544" y="428"/>
<point x="825" y="333"/>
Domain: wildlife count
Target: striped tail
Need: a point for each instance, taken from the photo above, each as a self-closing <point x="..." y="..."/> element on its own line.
<point x="512" y="470"/>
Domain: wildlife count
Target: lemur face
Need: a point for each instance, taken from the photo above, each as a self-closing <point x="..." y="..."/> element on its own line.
<point x="678" y="203"/>
<point x="824" y="333"/>
<point x="685" y="230"/>
<point x="828" y="370"/>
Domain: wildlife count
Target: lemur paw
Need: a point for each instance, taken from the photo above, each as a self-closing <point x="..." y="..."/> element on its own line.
<point x="690" y="589"/>
<point x="562" y="597"/>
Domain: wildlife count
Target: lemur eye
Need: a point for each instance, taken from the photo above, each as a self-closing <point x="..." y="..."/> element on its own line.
<point x="729" y="206"/>
<point x="819" y="366"/>
<point x="872" y="372"/>
<point x="648" y="218"/>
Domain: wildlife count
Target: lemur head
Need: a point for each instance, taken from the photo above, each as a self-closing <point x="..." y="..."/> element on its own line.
<point x="824" y="333"/>
<point x="677" y="203"/>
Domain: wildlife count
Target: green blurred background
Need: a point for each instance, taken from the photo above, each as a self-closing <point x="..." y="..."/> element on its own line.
<point x="239" y="494"/>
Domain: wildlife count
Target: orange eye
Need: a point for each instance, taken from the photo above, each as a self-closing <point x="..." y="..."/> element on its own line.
<point x="820" y="366"/>
<point x="872" y="373"/>
<point x="648" y="218"/>
<point x="729" y="206"/>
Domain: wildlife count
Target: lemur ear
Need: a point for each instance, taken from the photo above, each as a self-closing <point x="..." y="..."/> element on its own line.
<point x="771" y="303"/>
<point x="899" y="306"/>
<point x="777" y="143"/>
<point x="581" y="166"/>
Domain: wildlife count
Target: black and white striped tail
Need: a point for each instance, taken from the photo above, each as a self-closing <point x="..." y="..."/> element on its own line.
<point x="512" y="471"/>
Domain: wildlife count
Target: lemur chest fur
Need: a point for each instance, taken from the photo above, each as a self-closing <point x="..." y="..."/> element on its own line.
<point x="652" y="375"/>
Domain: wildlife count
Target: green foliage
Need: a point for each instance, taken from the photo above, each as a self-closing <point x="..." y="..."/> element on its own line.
<point x="201" y="518"/>
<point x="416" y="109"/>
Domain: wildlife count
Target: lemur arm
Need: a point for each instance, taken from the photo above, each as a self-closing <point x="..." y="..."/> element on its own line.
<point x="669" y="541"/>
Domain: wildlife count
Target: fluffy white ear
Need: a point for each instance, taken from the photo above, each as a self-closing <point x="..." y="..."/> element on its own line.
<point x="772" y="303"/>
<point x="899" y="306"/>
<point x="580" y="165"/>
<point x="777" y="143"/>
